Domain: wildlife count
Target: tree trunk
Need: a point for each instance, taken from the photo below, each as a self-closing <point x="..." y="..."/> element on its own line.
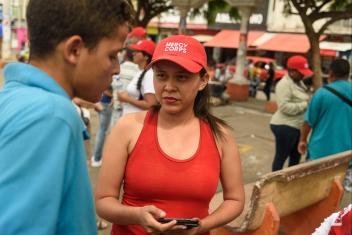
<point x="316" y="60"/>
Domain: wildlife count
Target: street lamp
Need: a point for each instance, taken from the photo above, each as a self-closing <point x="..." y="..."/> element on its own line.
<point x="238" y="87"/>
<point x="184" y="6"/>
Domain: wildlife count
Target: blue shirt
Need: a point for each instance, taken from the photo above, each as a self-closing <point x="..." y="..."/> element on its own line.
<point x="105" y="99"/>
<point x="331" y="121"/>
<point x="44" y="183"/>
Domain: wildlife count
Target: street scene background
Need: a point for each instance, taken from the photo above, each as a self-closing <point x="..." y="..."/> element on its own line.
<point x="271" y="36"/>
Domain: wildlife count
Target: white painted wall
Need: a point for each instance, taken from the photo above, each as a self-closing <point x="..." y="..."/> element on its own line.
<point x="279" y="22"/>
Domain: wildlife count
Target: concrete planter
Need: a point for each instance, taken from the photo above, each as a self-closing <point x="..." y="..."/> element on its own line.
<point x="237" y="92"/>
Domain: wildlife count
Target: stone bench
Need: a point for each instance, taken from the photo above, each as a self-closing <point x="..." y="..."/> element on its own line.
<point x="295" y="199"/>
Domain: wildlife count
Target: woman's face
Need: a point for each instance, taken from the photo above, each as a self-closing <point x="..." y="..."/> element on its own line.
<point x="139" y="58"/>
<point x="175" y="87"/>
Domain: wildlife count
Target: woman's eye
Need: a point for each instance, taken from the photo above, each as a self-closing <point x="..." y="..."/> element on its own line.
<point x="160" y="76"/>
<point x="182" y="77"/>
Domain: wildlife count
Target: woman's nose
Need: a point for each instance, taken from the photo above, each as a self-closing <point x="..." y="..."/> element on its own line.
<point x="170" y="84"/>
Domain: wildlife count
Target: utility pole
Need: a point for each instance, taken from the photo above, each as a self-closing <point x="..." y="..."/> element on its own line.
<point x="184" y="6"/>
<point x="238" y="86"/>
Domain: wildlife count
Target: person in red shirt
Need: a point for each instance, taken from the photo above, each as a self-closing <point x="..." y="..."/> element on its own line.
<point x="169" y="159"/>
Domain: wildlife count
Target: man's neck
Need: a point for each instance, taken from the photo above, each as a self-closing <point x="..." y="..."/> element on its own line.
<point x="55" y="70"/>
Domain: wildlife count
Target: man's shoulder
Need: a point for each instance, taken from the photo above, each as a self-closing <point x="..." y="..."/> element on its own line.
<point x="284" y="83"/>
<point x="29" y="104"/>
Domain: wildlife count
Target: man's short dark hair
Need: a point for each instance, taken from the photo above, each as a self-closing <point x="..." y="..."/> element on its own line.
<point x="340" y="68"/>
<point x="52" y="21"/>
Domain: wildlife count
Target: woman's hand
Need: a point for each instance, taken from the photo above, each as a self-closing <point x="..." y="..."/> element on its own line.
<point x="184" y="231"/>
<point x="148" y="216"/>
<point x="123" y="96"/>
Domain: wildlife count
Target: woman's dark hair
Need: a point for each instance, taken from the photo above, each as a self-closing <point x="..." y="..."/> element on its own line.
<point x="140" y="79"/>
<point x="201" y="109"/>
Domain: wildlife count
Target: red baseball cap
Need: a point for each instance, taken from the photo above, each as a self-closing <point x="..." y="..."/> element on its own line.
<point x="138" y="31"/>
<point x="147" y="46"/>
<point x="182" y="50"/>
<point x="300" y="64"/>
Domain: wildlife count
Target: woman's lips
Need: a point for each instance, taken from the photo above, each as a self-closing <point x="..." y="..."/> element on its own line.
<point x="169" y="99"/>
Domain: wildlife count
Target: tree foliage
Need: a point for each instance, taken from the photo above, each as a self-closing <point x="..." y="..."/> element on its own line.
<point x="214" y="7"/>
<point x="148" y="9"/>
<point x="312" y="11"/>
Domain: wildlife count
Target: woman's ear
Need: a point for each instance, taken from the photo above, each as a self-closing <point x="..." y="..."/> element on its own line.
<point x="72" y="48"/>
<point x="203" y="81"/>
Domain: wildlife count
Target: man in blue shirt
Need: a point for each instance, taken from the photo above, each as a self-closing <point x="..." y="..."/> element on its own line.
<point x="328" y="116"/>
<point x="44" y="183"/>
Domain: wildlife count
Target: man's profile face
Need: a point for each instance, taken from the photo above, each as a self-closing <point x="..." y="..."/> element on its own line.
<point x="296" y="75"/>
<point x="96" y="67"/>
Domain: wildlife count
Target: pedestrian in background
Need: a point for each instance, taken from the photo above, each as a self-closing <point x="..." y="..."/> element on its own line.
<point x="44" y="183"/>
<point x="137" y="34"/>
<point x="269" y="81"/>
<point x="255" y="80"/>
<point x="169" y="159"/>
<point x="329" y="117"/>
<point x="128" y="69"/>
<point x="83" y="108"/>
<point x="139" y="94"/>
<point x="286" y="122"/>
<point x="116" y="107"/>
<point x="104" y="124"/>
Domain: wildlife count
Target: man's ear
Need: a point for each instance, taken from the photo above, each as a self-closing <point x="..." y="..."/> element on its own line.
<point x="204" y="81"/>
<point x="72" y="48"/>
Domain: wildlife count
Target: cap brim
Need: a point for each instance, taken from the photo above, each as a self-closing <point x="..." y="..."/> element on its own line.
<point x="187" y="64"/>
<point x="305" y="72"/>
<point x="135" y="47"/>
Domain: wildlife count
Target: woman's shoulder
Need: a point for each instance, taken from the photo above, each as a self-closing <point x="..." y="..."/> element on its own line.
<point x="132" y="119"/>
<point x="128" y="129"/>
<point x="224" y="138"/>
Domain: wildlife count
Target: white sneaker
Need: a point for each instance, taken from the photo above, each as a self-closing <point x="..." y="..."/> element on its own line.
<point x="95" y="163"/>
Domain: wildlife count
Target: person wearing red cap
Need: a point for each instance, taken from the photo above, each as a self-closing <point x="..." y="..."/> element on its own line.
<point x="169" y="159"/>
<point x="139" y="94"/>
<point x="292" y="99"/>
<point x="137" y="34"/>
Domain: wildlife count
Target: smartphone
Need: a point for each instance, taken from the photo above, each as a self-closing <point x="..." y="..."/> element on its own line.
<point x="189" y="223"/>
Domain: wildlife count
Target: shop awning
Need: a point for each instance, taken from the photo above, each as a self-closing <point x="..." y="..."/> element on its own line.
<point x="230" y="39"/>
<point x="286" y="42"/>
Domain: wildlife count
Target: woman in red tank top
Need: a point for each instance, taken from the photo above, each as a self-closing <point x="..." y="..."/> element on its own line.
<point x="168" y="161"/>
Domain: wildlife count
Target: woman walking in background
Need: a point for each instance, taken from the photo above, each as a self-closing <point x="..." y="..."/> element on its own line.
<point x="139" y="94"/>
